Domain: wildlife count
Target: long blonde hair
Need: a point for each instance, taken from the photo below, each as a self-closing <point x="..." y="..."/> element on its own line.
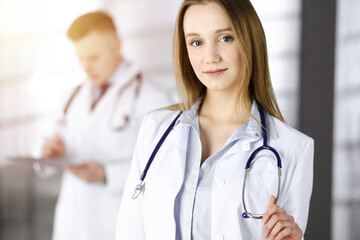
<point x="250" y="38"/>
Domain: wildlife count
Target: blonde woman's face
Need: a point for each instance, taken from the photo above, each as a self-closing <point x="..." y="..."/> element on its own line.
<point x="213" y="52"/>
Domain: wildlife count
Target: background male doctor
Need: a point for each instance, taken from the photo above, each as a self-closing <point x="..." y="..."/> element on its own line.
<point x="97" y="130"/>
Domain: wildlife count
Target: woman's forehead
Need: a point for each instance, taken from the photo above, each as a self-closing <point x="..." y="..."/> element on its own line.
<point x="205" y="18"/>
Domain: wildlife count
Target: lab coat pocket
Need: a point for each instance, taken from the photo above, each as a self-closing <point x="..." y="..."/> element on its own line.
<point x="261" y="182"/>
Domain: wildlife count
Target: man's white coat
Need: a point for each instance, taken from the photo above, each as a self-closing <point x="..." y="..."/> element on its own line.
<point x="88" y="211"/>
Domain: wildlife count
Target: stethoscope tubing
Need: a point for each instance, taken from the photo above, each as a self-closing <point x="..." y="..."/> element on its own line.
<point x="139" y="187"/>
<point x="137" y="79"/>
<point x="246" y="214"/>
<point x="157" y="147"/>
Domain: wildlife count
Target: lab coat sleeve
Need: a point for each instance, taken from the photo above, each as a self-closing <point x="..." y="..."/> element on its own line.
<point x="297" y="198"/>
<point x="130" y="218"/>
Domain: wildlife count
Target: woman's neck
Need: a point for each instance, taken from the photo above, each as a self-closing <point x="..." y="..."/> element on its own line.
<point x="224" y="107"/>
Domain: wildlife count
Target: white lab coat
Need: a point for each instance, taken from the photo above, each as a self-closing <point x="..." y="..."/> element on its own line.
<point x="151" y="215"/>
<point x="88" y="211"/>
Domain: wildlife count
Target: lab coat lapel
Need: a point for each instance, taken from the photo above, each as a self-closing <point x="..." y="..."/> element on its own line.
<point x="180" y="140"/>
<point x="179" y="145"/>
<point x="170" y="177"/>
<point x="78" y="119"/>
<point x="181" y="134"/>
<point x="83" y="113"/>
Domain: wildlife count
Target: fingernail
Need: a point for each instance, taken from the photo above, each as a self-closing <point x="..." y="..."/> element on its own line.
<point x="265" y="234"/>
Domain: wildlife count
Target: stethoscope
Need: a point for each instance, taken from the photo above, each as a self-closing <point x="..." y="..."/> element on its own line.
<point x="125" y="116"/>
<point x="124" y="119"/>
<point x="140" y="186"/>
<point x="265" y="146"/>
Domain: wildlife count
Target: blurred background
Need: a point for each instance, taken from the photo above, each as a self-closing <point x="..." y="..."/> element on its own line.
<point x="314" y="51"/>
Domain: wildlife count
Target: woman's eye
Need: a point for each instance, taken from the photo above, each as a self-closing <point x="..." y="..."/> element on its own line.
<point x="226" y="39"/>
<point x="196" y="43"/>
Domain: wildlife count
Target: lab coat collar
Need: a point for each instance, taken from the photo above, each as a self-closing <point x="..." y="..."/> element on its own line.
<point x="252" y="128"/>
<point x="254" y="124"/>
<point x="190" y="116"/>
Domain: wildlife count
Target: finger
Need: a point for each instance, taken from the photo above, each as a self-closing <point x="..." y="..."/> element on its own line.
<point x="275" y="224"/>
<point x="272" y="200"/>
<point x="46" y="152"/>
<point x="272" y="209"/>
<point x="279" y="225"/>
<point x="46" y="155"/>
<point x="56" y="146"/>
<point x="293" y="232"/>
<point x="52" y="153"/>
<point x="52" y="148"/>
<point x="60" y="143"/>
<point x="67" y="167"/>
<point x="49" y="152"/>
<point x="57" y="139"/>
<point x="71" y="168"/>
<point x="81" y="171"/>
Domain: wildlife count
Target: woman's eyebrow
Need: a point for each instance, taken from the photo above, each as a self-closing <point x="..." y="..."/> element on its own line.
<point x="191" y="35"/>
<point x="217" y="31"/>
<point x="223" y="30"/>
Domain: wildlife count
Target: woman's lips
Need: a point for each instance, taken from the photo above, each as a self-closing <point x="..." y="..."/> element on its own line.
<point x="215" y="72"/>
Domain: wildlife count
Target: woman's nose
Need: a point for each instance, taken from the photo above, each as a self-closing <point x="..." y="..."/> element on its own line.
<point x="212" y="55"/>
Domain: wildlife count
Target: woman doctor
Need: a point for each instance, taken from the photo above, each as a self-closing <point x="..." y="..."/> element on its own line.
<point x="193" y="188"/>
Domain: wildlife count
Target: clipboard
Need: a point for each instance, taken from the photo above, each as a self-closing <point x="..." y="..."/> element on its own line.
<point x="31" y="160"/>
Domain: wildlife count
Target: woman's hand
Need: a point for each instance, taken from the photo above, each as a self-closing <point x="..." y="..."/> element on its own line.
<point x="277" y="225"/>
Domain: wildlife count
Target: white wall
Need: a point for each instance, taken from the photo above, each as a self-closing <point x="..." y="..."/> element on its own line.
<point x="37" y="64"/>
<point x="282" y="24"/>
<point x="146" y="29"/>
<point x="346" y="152"/>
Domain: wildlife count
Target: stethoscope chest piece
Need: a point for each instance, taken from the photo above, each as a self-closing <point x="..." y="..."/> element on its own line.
<point x="138" y="189"/>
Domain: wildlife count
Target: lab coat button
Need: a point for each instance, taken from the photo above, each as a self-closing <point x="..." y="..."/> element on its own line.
<point x="220" y="182"/>
<point x="220" y="237"/>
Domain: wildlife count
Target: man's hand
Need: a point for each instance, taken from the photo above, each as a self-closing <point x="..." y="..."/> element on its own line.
<point x="53" y="147"/>
<point x="90" y="172"/>
<point x="278" y="225"/>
